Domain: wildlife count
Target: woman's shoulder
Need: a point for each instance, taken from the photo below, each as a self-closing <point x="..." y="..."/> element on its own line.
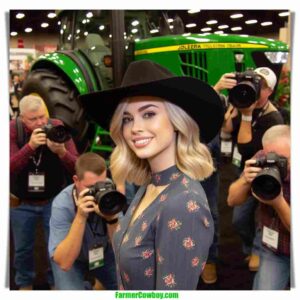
<point x="187" y="192"/>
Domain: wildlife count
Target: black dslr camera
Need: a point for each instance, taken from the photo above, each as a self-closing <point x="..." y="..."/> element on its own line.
<point x="57" y="134"/>
<point x="267" y="183"/>
<point x="109" y="201"/>
<point x="247" y="90"/>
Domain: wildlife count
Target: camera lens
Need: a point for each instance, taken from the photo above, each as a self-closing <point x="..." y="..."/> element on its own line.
<point x="243" y="95"/>
<point x="111" y="202"/>
<point x="267" y="184"/>
<point x="58" y="134"/>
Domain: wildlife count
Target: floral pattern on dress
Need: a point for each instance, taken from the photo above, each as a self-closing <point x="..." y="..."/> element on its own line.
<point x="174" y="224"/>
<point x="138" y="240"/>
<point x="156" y="178"/>
<point x="163" y="197"/>
<point x="174" y="176"/>
<point x="188" y="243"/>
<point x="144" y="226"/>
<point x="192" y="206"/>
<point x="185" y="182"/>
<point x="147" y="253"/>
<point x="149" y="272"/>
<point x="195" y="262"/>
<point x="206" y="222"/>
<point x="126" y="277"/>
<point x="169" y="280"/>
<point x="159" y="258"/>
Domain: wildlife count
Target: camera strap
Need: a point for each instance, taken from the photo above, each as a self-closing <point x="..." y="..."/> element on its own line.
<point x="261" y="113"/>
<point x="38" y="161"/>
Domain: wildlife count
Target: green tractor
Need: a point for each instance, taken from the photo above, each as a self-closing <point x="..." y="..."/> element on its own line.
<point x="90" y="44"/>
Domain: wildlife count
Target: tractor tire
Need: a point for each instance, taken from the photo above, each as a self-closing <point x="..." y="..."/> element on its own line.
<point x="61" y="99"/>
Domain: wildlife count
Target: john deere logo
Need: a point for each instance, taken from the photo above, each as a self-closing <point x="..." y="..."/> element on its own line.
<point x="265" y="72"/>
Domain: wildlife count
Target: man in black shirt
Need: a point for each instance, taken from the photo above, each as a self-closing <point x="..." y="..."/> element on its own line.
<point x="247" y="126"/>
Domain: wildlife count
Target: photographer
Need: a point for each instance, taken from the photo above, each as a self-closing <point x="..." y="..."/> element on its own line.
<point x="38" y="171"/>
<point x="246" y="122"/>
<point x="78" y="233"/>
<point x="274" y="217"/>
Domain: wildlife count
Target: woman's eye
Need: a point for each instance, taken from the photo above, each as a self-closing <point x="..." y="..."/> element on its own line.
<point x="126" y="120"/>
<point x="149" y="114"/>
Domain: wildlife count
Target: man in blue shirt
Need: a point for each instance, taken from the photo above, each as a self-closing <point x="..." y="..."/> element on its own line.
<point x="79" y="245"/>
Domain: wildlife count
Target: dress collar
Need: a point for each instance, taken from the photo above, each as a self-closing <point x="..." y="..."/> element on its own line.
<point x="166" y="176"/>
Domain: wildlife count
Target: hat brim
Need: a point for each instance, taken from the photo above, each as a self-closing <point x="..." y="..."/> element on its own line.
<point x="197" y="98"/>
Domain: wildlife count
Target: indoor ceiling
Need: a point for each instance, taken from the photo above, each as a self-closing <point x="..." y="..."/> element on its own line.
<point x="35" y="18"/>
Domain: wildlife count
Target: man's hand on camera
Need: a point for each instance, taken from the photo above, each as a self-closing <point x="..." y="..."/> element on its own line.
<point x="250" y="171"/>
<point x="227" y="81"/>
<point x="38" y="138"/>
<point x="85" y="204"/>
<point x="57" y="148"/>
<point x="248" y="110"/>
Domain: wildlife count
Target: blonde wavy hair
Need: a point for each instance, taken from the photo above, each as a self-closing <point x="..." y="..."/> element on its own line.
<point x="192" y="157"/>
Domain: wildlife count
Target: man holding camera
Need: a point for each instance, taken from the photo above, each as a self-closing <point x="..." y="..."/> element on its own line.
<point x="249" y="115"/>
<point x="38" y="171"/>
<point x="79" y="243"/>
<point x="275" y="214"/>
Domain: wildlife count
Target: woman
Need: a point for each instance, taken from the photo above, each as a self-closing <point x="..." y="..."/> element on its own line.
<point x="163" y="240"/>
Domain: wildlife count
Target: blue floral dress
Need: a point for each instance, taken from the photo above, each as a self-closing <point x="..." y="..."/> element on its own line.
<point x="166" y="247"/>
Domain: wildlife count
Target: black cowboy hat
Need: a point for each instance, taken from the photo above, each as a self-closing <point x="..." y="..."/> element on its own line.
<point x="147" y="78"/>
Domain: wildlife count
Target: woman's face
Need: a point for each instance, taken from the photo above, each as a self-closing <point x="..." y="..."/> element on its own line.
<point x="149" y="132"/>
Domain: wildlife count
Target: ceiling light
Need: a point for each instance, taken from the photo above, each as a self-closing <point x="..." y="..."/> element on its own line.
<point x="154" y="30"/>
<point x="266" y="23"/>
<point x="206" y="29"/>
<point x="223" y="26"/>
<point x="134" y="30"/>
<point x="28" y="29"/>
<point x="59" y="22"/>
<point x="83" y="21"/>
<point x="20" y="15"/>
<point x="135" y="23"/>
<point x="171" y="26"/>
<point x="51" y="15"/>
<point x="236" y="28"/>
<point x="61" y="31"/>
<point x="251" y="21"/>
<point x="89" y="15"/>
<point x="78" y="31"/>
<point x="191" y="25"/>
<point x="210" y="22"/>
<point x="13" y="33"/>
<point x="236" y="16"/>
<point x="44" y="25"/>
<point x="137" y="40"/>
<point x="170" y="20"/>
<point x="193" y="11"/>
<point x="284" y="14"/>
<point x="101" y="27"/>
<point x="86" y="33"/>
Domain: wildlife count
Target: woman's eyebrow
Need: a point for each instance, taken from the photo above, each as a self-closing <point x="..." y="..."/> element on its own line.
<point x="142" y="108"/>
